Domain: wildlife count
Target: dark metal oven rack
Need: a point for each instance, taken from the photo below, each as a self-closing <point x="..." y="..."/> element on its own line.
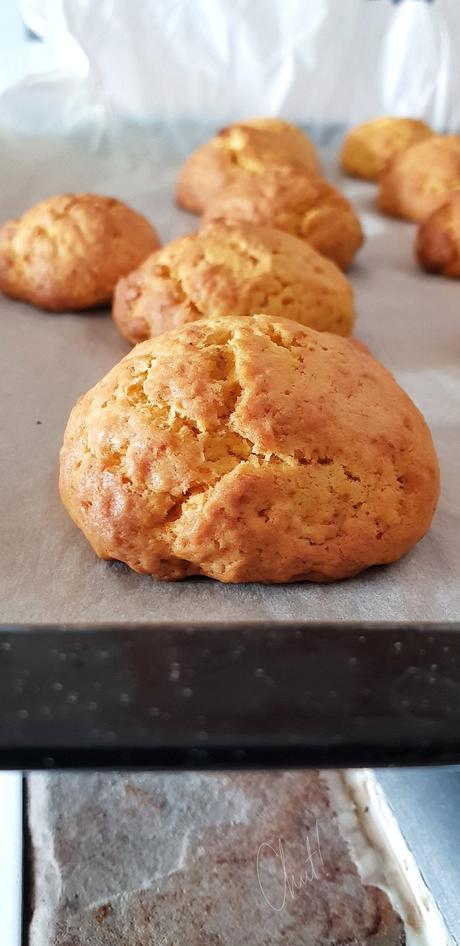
<point x="229" y="695"/>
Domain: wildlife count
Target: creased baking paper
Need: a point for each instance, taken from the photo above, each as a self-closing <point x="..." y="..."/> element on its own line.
<point x="48" y="572"/>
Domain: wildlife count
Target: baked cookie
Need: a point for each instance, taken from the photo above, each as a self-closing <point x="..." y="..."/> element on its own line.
<point x="419" y="179"/>
<point x="68" y="252"/>
<point x="437" y="244"/>
<point x="249" y="450"/>
<point x="368" y="148"/>
<point x="291" y="200"/>
<point x="223" y="271"/>
<point x="242" y="150"/>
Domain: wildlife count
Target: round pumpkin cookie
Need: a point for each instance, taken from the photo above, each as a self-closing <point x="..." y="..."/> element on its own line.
<point x="249" y="450"/>
<point x="242" y="150"/>
<point x="419" y="179"/>
<point x="291" y="200"/>
<point x="368" y="148"/>
<point x="437" y="244"/>
<point x="69" y="251"/>
<point x="223" y="271"/>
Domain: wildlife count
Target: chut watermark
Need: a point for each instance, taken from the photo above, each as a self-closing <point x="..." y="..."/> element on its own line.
<point x="286" y="883"/>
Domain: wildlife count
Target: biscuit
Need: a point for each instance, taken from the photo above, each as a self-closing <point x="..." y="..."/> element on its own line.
<point x="242" y="151"/>
<point x="419" y="179"/>
<point x="249" y="450"/>
<point x="69" y="251"/>
<point x="368" y="148"/>
<point x="291" y="200"/>
<point x="223" y="271"/>
<point x="437" y="244"/>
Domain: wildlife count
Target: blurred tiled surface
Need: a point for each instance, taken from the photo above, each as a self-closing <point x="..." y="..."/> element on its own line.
<point x="163" y="859"/>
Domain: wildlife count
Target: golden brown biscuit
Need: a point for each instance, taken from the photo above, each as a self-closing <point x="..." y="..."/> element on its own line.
<point x="419" y="179"/>
<point x="68" y="252"/>
<point x="242" y="150"/>
<point x="438" y="239"/>
<point x="291" y="200"/>
<point x="223" y="271"/>
<point x="249" y="450"/>
<point x="368" y="148"/>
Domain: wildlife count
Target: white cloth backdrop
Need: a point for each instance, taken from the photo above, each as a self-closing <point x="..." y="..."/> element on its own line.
<point x="316" y="61"/>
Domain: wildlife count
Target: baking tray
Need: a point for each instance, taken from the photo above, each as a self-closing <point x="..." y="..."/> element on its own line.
<point x="57" y="597"/>
<point x="266" y="695"/>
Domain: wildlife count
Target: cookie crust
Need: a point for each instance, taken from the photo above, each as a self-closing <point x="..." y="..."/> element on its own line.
<point x="437" y="244"/>
<point x="226" y="270"/>
<point x="242" y="151"/>
<point x="68" y="252"/>
<point x="368" y="148"/>
<point x="420" y="179"/>
<point x="249" y="450"/>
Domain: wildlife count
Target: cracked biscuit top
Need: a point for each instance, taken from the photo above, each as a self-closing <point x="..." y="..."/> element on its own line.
<point x="242" y="151"/>
<point x="368" y="148"/>
<point x="229" y="270"/>
<point x="68" y="252"/>
<point x="420" y="179"/>
<point x="291" y="200"/>
<point x="249" y="450"/>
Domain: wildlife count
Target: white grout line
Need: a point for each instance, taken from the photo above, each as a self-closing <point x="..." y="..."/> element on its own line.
<point x="10" y="858"/>
<point x="382" y="857"/>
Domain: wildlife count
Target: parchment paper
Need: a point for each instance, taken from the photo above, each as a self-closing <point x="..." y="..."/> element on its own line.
<point x="48" y="572"/>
